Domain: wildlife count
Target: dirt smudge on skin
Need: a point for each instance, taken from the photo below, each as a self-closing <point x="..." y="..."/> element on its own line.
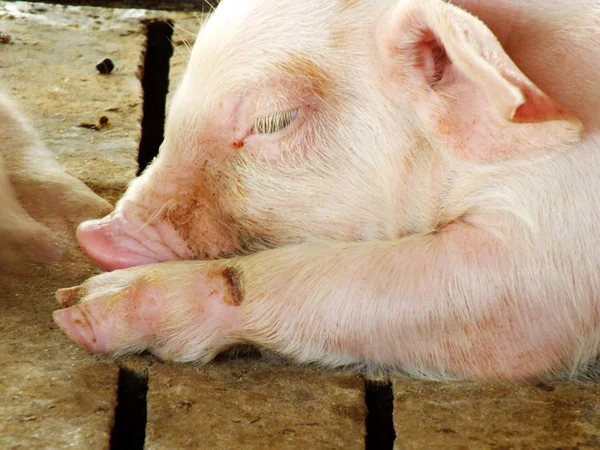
<point x="236" y="293"/>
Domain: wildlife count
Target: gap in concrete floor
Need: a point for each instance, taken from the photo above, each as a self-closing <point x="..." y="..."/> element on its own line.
<point x="154" y="76"/>
<point x="129" y="427"/>
<point x="379" y="398"/>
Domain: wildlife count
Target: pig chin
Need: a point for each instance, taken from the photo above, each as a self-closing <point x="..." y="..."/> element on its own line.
<point x="120" y="240"/>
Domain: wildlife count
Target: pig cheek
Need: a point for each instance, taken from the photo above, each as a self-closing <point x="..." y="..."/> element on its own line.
<point x="196" y="212"/>
<point x="198" y="223"/>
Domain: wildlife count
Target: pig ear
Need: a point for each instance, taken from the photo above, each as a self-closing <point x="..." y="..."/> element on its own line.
<point x="468" y="92"/>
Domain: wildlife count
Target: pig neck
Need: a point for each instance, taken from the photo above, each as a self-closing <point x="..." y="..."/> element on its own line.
<point x="425" y="177"/>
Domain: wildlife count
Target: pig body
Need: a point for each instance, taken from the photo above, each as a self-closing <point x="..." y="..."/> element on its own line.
<point x="391" y="184"/>
<point x="40" y="203"/>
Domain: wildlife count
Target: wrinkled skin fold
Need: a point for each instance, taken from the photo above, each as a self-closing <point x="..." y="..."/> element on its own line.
<point x="400" y="184"/>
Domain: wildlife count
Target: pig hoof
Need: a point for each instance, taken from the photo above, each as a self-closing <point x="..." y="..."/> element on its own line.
<point x="78" y="324"/>
<point x="68" y="297"/>
<point x="178" y="311"/>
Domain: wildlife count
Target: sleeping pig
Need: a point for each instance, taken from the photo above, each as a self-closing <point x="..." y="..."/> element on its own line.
<point x="403" y="184"/>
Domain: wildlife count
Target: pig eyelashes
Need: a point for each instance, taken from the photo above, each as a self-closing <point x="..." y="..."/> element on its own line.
<point x="274" y="122"/>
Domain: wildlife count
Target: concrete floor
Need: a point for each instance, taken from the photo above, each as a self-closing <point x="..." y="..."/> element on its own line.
<point x="55" y="395"/>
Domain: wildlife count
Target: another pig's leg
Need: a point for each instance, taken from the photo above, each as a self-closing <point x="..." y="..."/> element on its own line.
<point x="44" y="189"/>
<point x="19" y="233"/>
<point x="452" y="302"/>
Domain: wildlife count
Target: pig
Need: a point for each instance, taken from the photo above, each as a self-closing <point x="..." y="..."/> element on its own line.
<point x="410" y="186"/>
<point x="40" y="203"/>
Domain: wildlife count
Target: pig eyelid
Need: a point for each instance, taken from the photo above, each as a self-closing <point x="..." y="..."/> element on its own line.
<point x="273" y="122"/>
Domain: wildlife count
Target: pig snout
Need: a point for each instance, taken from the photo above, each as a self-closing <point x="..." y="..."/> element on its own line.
<point x="165" y="215"/>
<point x="121" y="240"/>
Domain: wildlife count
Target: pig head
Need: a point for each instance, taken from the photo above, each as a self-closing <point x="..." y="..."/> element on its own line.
<point x="330" y="121"/>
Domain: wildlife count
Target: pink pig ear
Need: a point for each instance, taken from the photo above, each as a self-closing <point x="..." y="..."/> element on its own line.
<point x="467" y="91"/>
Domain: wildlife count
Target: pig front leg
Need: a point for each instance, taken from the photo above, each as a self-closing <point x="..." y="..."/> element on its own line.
<point x="182" y="311"/>
<point x="449" y="303"/>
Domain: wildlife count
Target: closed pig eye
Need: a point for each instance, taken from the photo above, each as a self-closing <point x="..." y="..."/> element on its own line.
<point x="274" y="122"/>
